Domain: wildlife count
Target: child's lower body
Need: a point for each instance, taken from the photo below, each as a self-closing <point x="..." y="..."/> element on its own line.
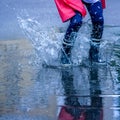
<point x="96" y="13"/>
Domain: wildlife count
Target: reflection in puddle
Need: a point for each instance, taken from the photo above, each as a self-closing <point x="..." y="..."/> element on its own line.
<point x="31" y="92"/>
<point x="76" y="105"/>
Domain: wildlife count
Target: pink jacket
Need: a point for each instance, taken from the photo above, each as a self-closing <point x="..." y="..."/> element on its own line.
<point x="67" y="8"/>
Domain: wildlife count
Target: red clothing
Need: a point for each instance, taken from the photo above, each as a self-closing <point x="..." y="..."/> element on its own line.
<point x="67" y="8"/>
<point x="103" y="3"/>
<point x="64" y="115"/>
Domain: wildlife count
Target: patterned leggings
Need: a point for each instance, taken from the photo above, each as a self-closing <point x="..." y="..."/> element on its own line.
<point x="96" y="13"/>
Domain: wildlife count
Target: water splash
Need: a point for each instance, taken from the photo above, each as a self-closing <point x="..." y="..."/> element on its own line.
<point x="47" y="41"/>
<point x="44" y="40"/>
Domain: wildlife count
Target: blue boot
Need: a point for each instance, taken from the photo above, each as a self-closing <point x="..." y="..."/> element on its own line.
<point x="66" y="54"/>
<point x="94" y="51"/>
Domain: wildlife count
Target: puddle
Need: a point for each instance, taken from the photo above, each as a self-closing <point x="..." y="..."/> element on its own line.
<point x="30" y="92"/>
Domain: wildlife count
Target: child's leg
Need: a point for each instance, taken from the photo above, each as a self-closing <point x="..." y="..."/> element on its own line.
<point x="69" y="38"/>
<point x="75" y="24"/>
<point x="96" y="12"/>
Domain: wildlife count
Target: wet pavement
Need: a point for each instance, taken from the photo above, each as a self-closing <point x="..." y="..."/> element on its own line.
<point x="33" y="92"/>
<point x="29" y="91"/>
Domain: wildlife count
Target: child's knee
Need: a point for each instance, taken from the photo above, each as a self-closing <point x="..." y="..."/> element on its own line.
<point x="96" y="12"/>
<point x="98" y="17"/>
<point x="76" y="21"/>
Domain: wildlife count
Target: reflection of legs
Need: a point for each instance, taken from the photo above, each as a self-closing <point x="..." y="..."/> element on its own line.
<point x="71" y="102"/>
<point x="68" y="41"/>
<point x="96" y="112"/>
<point x="96" y="13"/>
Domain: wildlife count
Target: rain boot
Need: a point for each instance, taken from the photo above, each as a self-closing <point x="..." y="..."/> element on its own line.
<point x="66" y="53"/>
<point x="94" y="51"/>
